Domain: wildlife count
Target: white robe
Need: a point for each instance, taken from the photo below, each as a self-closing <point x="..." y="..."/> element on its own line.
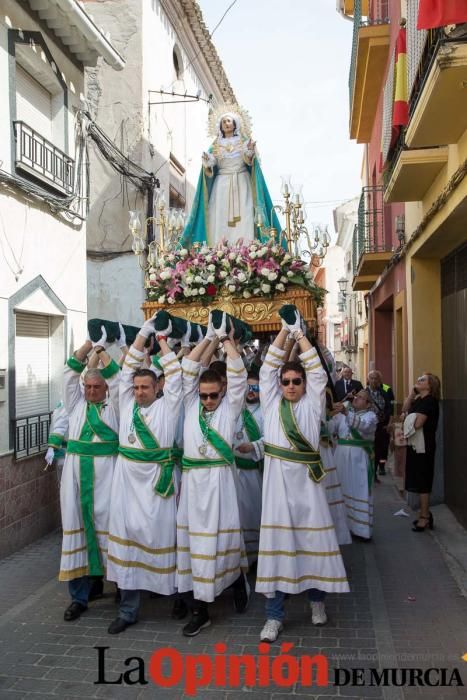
<point x="298" y="548"/>
<point x="231" y="209"/>
<point x="142" y="528"/>
<point x="249" y="484"/>
<point x="74" y="559"/>
<point x="210" y="547"/>
<point x="334" y="494"/>
<point x="352" y="468"/>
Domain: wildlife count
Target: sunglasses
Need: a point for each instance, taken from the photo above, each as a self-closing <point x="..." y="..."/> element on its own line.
<point x="253" y="387"/>
<point x="214" y="395"/>
<point x="296" y="382"/>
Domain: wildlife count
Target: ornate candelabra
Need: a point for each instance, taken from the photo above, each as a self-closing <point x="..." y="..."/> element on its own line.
<point x="299" y="240"/>
<point x="168" y="222"/>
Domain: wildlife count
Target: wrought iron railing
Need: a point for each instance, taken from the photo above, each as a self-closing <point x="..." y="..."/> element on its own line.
<point x="369" y="234"/>
<point x="378" y="14"/>
<point x="31" y="434"/>
<point x="42" y="159"/>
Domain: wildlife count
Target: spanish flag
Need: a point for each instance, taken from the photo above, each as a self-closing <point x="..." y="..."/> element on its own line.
<point x="438" y="13"/>
<point x="400" y="113"/>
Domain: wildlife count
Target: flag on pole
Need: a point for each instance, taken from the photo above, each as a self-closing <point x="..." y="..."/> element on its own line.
<point x="400" y="113"/>
<point x="438" y="13"/>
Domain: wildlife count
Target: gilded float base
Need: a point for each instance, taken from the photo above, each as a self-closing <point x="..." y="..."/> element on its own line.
<point x="261" y="313"/>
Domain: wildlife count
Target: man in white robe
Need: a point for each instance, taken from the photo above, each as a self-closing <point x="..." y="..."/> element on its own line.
<point x="298" y="549"/>
<point x="87" y="471"/>
<point x="249" y="454"/>
<point x="210" y="548"/>
<point x="142" y="527"/>
<point x="354" y="458"/>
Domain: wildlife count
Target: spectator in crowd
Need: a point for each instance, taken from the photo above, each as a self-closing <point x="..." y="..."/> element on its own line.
<point x="382" y="397"/>
<point x="346" y="386"/>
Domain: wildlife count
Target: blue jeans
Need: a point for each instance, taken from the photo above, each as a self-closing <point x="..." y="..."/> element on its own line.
<point x="79" y="589"/>
<point x="275" y="606"/>
<point x="129" y="605"/>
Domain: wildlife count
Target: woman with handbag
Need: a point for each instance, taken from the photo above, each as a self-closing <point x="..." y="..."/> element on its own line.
<point x="423" y="401"/>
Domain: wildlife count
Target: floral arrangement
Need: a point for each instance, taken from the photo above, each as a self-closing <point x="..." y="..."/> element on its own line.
<point x="244" y="270"/>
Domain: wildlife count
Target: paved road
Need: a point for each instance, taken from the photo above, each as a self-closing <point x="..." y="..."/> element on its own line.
<point x="405" y="610"/>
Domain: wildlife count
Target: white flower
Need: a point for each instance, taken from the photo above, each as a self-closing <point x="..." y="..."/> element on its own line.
<point x="272" y="276"/>
<point x="171" y="257"/>
<point x="171" y="300"/>
<point x="232" y="256"/>
<point x="286" y="257"/>
<point x="152" y="276"/>
<point x="246" y="294"/>
<point x="201" y="290"/>
<point x="274" y="249"/>
<point x="280" y="287"/>
<point x="253" y="247"/>
<point x="198" y="279"/>
<point x="290" y="273"/>
<point x="204" y="250"/>
<point x="223" y="274"/>
<point x="183" y="253"/>
<point x="239" y="258"/>
<point x="263" y="252"/>
<point x="241" y="277"/>
<point x="208" y="259"/>
<point x="256" y="290"/>
<point x="265" y="272"/>
<point x="284" y="279"/>
<point x="253" y="255"/>
<point x="266" y="288"/>
<point x="232" y="288"/>
<point x="188" y="279"/>
<point x="194" y="292"/>
<point x="161" y="299"/>
<point x="166" y="275"/>
<point x="211" y="279"/>
<point x="211" y="268"/>
<point x="187" y="292"/>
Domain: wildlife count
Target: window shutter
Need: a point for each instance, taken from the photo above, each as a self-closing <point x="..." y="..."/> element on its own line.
<point x="32" y="364"/>
<point x="33" y="103"/>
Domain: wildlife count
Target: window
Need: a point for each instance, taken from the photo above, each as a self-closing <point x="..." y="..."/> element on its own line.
<point x="33" y="103"/>
<point x="32" y="363"/>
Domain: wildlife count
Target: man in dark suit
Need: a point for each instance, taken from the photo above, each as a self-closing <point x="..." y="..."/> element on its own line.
<point x="346" y="385"/>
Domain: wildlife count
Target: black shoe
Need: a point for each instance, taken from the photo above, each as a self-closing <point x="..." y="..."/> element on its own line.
<point x="180" y="609"/>
<point x="74" y="611"/>
<point x="199" y="620"/>
<point x="241" y="594"/>
<point x="119" y="625"/>
<point x="97" y="588"/>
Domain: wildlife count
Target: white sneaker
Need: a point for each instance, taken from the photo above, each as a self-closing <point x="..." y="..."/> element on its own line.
<point x="271" y="630"/>
<point x="318" y="613"/>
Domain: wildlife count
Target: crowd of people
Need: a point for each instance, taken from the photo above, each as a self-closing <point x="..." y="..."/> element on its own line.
<point x="182" y="475"/>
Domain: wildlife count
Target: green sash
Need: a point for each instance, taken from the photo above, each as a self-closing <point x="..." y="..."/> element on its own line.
<point x="254" y="434"/>
<point x="152" y="452"/>
<point x="368" y="445"/>
<point x="87" y="451"/>
<point x="56" y="441"/>
<point x="302" y="451"/>
<point x="214" y="439"/>
<point x="205" y="463"/>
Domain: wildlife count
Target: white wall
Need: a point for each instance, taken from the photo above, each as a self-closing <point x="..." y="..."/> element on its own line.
<point x="105" y="296"/>
<point x="33" y="240"/>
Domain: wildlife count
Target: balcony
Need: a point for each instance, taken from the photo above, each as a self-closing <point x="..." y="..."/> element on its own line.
<point x="370" y="49"/>
<point x="370" y="253"/>
<point x="31" y="435"/>
<point x="40" y="158"/>
<point x="413" y="173"/>
<point x="438" y="102"/>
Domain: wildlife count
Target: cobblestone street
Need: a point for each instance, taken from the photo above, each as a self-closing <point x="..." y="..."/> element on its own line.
<point x="405" y="610"/>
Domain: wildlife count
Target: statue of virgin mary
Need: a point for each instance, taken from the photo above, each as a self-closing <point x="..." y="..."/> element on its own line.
<point x="231" y="198"/>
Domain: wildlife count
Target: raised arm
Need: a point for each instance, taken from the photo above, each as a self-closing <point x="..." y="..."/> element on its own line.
<point x="73" y="368"/>
<point x="270" y="369"/>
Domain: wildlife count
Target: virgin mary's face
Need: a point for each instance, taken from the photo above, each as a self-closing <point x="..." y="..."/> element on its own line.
<point x="227" y="125"/>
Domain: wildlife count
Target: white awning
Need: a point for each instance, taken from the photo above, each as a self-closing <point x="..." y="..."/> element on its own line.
<point x="75" y="28"/>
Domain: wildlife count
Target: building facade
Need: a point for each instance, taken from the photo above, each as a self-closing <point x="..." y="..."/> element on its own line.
<point x="44" y="47"/>
<point x="411" y="236"/>
<point x="167" y="47"/>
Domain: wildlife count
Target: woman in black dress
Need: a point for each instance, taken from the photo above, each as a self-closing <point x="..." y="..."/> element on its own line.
<point x="419" y="468"/>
